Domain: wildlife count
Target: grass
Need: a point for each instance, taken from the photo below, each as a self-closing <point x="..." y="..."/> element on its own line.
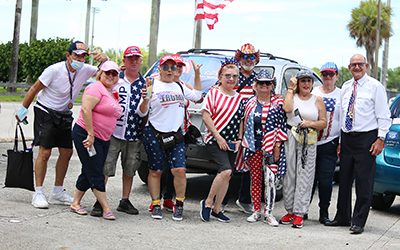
<point x="18" y="96"/>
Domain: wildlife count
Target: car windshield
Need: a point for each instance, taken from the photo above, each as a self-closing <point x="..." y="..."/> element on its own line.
<point x="395" y="108"/>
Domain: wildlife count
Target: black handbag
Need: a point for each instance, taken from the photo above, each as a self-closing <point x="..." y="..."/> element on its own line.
<point x="20" y="164"/>
<point x="192" y="135"/>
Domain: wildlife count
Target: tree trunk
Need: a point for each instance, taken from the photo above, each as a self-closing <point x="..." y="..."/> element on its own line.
<point x="154" y="24"/>
<point x="34" y="20"/>
<point x="15" y="47"/>
<point x="385" y="58"/>
<point x="370" y="60"/>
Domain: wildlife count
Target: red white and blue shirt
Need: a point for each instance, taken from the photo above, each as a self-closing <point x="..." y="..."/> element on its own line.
<point x="247" y="91"/>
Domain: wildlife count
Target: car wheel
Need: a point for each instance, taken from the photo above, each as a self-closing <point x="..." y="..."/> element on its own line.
<point x="279" y="190"/>
<point x="143" y="171"/>
<point x="382" y="201"/>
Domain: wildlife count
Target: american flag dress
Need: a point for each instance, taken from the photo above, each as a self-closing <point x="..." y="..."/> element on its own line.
<point x="272" y="131"/>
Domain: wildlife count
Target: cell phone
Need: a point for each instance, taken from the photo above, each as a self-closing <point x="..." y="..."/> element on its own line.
<point x="232" y="146"/>
<point x="149" y="88"/>
<point x="297" y="113"/>
<point x="91" y="151"/>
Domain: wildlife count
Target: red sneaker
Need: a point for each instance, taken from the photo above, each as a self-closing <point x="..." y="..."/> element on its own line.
<point x="151" y="207"/>
<point x="168" y="204"/>
<point x="287" y="219"/>
<point x="297" y="222"/>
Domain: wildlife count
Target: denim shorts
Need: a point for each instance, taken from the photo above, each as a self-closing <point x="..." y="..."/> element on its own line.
<point x="224" y="159"/>
<point x="157" y="157"/>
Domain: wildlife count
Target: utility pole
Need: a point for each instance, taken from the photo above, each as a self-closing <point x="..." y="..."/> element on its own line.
<point x="377" y="41"/>
<point x="87" y="24"/>
<point x="197" y="31"/>
<point x="95" y="10"/>
<point x="385" y="57"/>
<point x="154" y="24"/>
<point x="34" y="20"/>
<point x="15" y="47"/>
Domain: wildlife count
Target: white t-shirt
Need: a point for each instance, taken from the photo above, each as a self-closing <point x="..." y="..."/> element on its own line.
<point x="167" y="105"/>
<point x="332" y="105"/>
<point x="56" y="94"/>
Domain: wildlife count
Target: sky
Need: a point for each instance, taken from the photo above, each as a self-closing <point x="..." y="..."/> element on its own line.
<point x="309" y="31"/>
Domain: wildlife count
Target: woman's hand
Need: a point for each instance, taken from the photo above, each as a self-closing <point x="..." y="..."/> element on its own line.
<point x="306" y="124"/>
<point x="223" y="145"/>
<point x="88" y="142"/>
<point x="196" y="67"/>
<point x="292" y="83"/>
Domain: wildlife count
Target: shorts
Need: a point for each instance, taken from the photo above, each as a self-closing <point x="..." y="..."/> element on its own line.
<point x="224" y="159"/>
<point x="130" y="157"/>
<point x="47" y="135"/>
<point x="157" y="157"/>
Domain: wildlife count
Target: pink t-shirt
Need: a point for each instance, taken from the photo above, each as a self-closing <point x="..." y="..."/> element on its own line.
<point x="104" y="114"/>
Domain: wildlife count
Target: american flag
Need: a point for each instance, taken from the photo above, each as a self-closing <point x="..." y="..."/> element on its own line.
<point x="330" y="111"/>
<point x="247" y="91"/>
<point x="209" y="10"/>
<point x="134" y="121"/>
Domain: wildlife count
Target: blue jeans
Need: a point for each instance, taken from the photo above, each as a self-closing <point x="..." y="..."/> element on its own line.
<point x="325" y="170"/>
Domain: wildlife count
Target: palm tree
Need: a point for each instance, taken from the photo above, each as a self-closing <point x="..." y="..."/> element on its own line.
<point x="363" y="27"/>
<point x="34" y="20"/>
<point x="15" y="47"/>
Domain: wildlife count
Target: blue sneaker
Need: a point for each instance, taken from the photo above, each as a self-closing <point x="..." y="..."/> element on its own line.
<point x="204" y="211"/>
<point x="221" y="217"/>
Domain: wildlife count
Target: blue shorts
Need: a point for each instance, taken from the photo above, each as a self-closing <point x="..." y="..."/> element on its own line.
<point x="157" y="157"/>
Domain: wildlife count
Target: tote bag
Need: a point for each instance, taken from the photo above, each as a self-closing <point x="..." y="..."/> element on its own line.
<point x="20" y="164"/>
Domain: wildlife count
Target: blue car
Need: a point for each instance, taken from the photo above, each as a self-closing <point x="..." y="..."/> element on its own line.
<point x="387" y="178"/>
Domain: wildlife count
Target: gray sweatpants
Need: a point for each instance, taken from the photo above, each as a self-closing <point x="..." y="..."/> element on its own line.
<point x="299" y="179"/>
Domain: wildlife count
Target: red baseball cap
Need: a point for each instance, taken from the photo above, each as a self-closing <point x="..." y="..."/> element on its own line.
<point x="166" y="58"/>
<point x="133" y="51"/>
<point x="178" y="59"/>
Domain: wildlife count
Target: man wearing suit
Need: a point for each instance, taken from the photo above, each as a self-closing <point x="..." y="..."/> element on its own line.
<point x="365" y="120"/>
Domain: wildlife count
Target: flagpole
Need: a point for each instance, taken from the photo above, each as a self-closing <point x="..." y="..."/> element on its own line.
<point x="197" y="26"/>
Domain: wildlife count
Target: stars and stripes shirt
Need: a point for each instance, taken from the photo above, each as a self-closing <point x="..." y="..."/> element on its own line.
<point x="247" y="91"/>
<point x="264" y="126"/>
<point x="226" y="112"/>
<point x="129" y="94"/>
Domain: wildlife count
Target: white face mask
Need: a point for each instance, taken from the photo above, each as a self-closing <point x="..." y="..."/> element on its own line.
<point x="247" y="67"/>
<point x="77" y="65"/>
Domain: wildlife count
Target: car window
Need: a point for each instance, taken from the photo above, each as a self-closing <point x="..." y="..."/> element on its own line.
<point x="395" y="108"/>
<point x="289" y="72"/>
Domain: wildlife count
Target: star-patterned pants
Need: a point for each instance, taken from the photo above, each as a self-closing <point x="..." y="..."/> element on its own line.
<point x="255" y="163"/>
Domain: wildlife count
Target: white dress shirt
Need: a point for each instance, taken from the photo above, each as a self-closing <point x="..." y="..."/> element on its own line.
<point x="371" y="110"/>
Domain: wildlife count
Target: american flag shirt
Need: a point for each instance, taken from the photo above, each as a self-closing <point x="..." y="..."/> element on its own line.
<point x="226" y="112"/>
<point x="264" y="126"/>
<point x="247" y="91"/>
<point x="129" y="94"/>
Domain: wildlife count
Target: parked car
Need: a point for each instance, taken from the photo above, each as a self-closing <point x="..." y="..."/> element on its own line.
<point x="198" y="160"/>
<point x="387" y="178"/>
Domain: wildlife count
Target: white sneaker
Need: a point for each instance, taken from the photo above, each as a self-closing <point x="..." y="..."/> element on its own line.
<point x="245" y="208"/>
<point x="39" y="200"/>
<point x="256" y="216"/>
<point x="61" y="198"/>
<point x="270" y="219"/>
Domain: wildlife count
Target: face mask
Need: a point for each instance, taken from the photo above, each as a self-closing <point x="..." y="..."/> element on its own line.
<point x="76" y="65"/>
<point x="248" y="68"/>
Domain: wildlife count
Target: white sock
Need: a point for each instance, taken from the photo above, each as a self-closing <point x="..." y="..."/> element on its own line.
<point x="39" y="190"/>
<point x="58" y="189"/>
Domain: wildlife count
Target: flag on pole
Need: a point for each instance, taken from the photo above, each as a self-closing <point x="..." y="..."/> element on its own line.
<point x="209" y="10"/>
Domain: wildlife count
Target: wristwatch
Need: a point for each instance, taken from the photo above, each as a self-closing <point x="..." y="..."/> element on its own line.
<point x="382" y="138"/>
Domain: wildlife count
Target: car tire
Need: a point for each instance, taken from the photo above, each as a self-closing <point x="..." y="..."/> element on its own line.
<point x="143" y="171"/>
<point x="382" y="201"/>
<point x="279" y="190"/>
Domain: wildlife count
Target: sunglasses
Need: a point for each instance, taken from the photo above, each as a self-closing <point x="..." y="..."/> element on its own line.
<point x="328" y="73"/>
<point x="112" y="73"/>
<point x="265" y="83"/>
<point x="167" y="68"/>
<point x="251" y="57"/>
<point x="353" y="65"/>
<point x="229" y="76"/>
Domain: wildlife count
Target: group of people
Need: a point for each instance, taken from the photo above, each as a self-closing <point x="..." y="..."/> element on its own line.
<point x="266" y="137"/>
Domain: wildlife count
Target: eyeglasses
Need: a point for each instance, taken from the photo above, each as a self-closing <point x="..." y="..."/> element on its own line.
<point x="328" y="73"/>
<point x="229" y="76"/>
<point x="167" y="68"/>
<point x="251" y="57"/>
<point x="305" y="80"/>
<point x="265" y="83"/>
<point x="112" y="73"/>
<point x="360" y="65"/>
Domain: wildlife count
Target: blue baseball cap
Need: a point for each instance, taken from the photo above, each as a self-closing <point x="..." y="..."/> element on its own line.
<point x="329" y="66"/>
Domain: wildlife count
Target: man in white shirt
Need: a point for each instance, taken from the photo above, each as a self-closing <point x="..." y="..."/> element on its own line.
<point x="56" y="90"/>
<point x="365" y="120"/>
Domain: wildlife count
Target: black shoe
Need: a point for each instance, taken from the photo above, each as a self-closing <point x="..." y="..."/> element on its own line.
<point x="97" y="210"/>
<point x="324" y="220"/>
<point x="323" y="216"/>
<point x="336" y="223"/>
<point x="305" y="217"/>
<point x="356" y="229"/>
<point x="126" y="206"/>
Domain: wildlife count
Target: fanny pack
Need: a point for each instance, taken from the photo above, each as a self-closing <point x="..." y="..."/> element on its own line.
<point x="61" y="119"/>
<point x="169" y="139"/>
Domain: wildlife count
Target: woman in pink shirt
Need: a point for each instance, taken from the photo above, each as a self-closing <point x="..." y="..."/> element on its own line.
<point x="91" y="135"/>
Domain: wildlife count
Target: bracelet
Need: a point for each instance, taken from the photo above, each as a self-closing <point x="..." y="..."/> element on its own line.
<point x="291" y="88"/>
<point x="90" y="135"/>
<point x="240" y="139"/>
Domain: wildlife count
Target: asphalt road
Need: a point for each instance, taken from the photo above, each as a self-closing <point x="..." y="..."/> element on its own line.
<point x="25" y="227"/>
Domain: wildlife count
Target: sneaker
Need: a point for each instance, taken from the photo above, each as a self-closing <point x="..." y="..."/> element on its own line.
<point x="287" y="219"/>
<point x="97" y="210"/>
<point x="156" y="213"/>
<point x="177" y="213"/>
<point x="297" y="222"/>
<point x="245" y="208"/>
<point x="220" y="217"/>
<point x="39" y="200"/>
<point x="61" y="198"/>
<point x="126" y="206"/>
<point x="256" y="216"/>
<point x="151" y="207"/>
<point x="270" y="220"/>
<point x="169" y="205"/>
<point x="205" y="212"/>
